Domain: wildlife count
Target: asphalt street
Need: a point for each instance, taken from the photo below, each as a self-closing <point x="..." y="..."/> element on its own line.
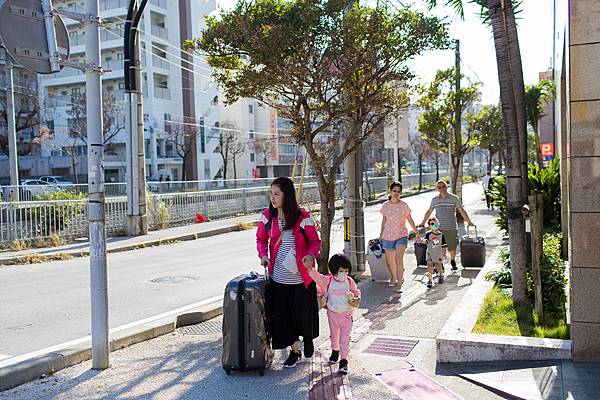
<point x="48" y="304"/>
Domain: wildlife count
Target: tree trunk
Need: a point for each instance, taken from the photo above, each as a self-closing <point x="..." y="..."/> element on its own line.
<point x="183" y="174"/>
<point x="437" y="167"/>
<point x="490" y="161"/>
<point x="457" y="175"/>
<point x="516" y="226"/>
<point x="327" y="191"/>
<point x="516" y="66"/>
<point x="420" y="173"/>
<point x="538" y="151"/>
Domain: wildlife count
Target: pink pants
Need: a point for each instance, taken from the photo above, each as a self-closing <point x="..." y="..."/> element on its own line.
<point x="340" y="328"/>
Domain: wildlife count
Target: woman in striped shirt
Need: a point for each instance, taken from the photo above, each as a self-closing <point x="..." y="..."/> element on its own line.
<point x="286" y="240"/>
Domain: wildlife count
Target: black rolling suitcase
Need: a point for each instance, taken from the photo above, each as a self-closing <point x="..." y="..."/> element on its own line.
<point x="472" y="250"/>
<point x="246" y="342"/>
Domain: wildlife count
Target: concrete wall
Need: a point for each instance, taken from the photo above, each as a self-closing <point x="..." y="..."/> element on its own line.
<point x="582" y="69"/>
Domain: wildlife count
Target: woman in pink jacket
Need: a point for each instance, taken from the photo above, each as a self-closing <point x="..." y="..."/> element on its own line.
<point x="287" y="241"/>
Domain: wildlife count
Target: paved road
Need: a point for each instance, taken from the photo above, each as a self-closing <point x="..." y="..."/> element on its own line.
<point x="48" y="304"/>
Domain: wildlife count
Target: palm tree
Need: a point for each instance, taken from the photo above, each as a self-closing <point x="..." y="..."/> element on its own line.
<point x="536" y="96"/>
<point x="500" y="13"/>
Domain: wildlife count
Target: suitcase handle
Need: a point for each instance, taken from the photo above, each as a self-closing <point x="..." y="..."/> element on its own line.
<point x="469" y="231"/>
<point x="266" y="269"/>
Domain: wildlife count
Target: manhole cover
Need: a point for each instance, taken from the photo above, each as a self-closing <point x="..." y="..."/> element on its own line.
<point x="210" y="327"/>
<point x="391" y="347"/>
<point x="172" y="280"/>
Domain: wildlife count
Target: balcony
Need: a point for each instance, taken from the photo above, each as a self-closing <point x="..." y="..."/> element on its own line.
<point x="160" y="62"/>
<point x="162" y="92"/>
<point x="113" y="4"/>
<point x="77" y="39"/>
<point x="159" y="31"/>
<point x="159" y="3"/>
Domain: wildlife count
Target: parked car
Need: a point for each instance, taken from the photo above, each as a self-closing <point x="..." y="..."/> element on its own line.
<point x="35" y="187"/>
<point x="59" y="181"/>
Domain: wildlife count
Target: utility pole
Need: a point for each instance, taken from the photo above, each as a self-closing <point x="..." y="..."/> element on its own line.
<point x="457" y="123"/>
<point x="11" y="128"/>
<point x="97" y="232"/>
<point x="137" y="222"/>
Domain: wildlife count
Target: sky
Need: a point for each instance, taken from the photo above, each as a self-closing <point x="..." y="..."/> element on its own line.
<point x="535" y="28"/>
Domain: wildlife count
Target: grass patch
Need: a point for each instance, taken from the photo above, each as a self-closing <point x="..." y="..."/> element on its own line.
<point x="500" y="316"/>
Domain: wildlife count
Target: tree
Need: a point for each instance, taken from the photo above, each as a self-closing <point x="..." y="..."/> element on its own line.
<point x="422" y="150"/>
<point x="333" y="71"/>
<point x="262" y="146"/>
<point x="501" y="15"/>
<point x="30" y="115"/>
<point x="183" y="137"/>
<point x="112" y="117"/>
<point x="440" y="103"/>
<point x="536" y="97"/>
<point x="488" y="131"/>
<point x="230" y="146"/>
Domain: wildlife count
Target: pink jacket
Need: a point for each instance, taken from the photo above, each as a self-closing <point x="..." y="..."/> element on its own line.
<point x="323" y="282"/>
<point x="305" y="234"/>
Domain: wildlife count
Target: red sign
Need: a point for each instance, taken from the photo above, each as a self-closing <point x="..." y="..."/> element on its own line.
<point x="547" y="149"/>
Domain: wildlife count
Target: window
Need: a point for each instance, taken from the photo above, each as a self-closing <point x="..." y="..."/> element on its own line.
<point x="167" y="117"/>
<point x="250" y="109"/>
<point x="50" y="125"/>
<point x="251" y="157"/>
<point x="251" y="131"/>
<point x="121" y="85"/>
<point x="207" y="169"/>
<point x="75" y="91"/>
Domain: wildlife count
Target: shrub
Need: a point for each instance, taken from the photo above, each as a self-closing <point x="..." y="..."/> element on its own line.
<point x="554" y="280"/>
<point x="547" y="182"/>
<point x="501" y="277"/>
<point x="52" y="220"/>
<point x="541" y="180"/>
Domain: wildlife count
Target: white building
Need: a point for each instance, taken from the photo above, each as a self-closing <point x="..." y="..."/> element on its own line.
<point x="171" y="92"/>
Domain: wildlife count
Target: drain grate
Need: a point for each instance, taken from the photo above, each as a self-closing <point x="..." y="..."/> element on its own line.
<point x="172" y="280"/>
<point x="391" y="347"/>
<point x="210" y="327"/>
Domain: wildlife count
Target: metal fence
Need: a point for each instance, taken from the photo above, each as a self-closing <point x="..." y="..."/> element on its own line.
<point x="29" y="193"/>
<point x="68" y="219"/>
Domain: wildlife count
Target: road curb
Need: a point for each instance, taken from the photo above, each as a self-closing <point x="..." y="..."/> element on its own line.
<point x="457" y="344"/>
<point x="47" y="364"/>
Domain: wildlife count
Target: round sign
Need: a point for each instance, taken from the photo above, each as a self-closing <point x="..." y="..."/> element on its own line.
<point x="23" y="32"/>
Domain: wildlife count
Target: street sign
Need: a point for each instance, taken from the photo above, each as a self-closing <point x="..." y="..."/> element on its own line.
<point x="23" y="31"/>
<point x="547" y="150"/>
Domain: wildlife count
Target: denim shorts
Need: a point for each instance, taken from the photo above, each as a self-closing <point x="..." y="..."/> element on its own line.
<point x="394" y="244"/>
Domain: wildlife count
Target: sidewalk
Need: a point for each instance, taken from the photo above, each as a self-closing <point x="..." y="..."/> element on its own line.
<point x="186" y="364"/>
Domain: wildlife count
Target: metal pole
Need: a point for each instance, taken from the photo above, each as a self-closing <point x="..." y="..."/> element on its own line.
<point x="97" y="232"/>
<point x="153" y="155"/>
<point x="50" y="35"/>
<point x="11" y="128"/>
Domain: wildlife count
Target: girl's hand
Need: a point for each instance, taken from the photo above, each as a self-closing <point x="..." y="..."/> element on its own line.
<point x="350" y="297"/>
<point x="308" y="261"/>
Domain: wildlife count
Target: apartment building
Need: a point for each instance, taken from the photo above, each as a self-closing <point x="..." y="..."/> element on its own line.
<point x="168" y="82"/>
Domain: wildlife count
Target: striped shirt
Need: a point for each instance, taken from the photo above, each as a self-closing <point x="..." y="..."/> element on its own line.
<point x="285" y="270"/>
<point x="445" y="211"/>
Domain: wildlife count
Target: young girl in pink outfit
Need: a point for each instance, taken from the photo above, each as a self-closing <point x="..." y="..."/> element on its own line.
<point x="342" y="297"/>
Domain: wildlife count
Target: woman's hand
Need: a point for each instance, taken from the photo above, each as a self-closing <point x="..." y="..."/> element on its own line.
<point x="308" y="261"/>
<point x="264" y="261"/>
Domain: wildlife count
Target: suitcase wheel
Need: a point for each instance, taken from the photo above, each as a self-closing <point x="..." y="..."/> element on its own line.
<point x="261" y="372"/>
<point x="228" y="371"/>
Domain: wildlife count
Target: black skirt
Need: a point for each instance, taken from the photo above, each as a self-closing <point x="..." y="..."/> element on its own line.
<point x="294" y="313"/>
